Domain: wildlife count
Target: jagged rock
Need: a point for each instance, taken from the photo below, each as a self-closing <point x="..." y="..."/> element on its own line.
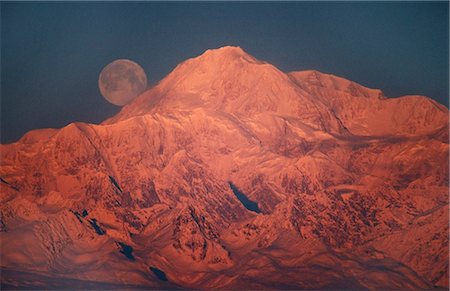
<point x="352" y="187"/>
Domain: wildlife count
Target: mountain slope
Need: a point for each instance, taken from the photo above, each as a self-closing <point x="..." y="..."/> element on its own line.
<point x="368" y="112"/>
<point x="228" y="172"/>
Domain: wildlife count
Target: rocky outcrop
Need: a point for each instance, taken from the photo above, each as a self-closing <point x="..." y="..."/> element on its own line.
<point x="340" y="186"/>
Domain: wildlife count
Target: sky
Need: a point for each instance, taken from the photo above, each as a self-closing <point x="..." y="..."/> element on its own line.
<point x="52" y="52"/>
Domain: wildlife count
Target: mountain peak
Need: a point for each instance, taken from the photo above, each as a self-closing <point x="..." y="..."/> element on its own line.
<point x="231" y="81"/>
<point x="226" y="54"/>
<point x="179" y="175"/>
<point x="228" y="49"/>
<point x="233" y="51"/>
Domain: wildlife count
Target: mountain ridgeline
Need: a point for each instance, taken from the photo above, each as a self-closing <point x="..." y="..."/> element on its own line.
<point x="231" y="174"/>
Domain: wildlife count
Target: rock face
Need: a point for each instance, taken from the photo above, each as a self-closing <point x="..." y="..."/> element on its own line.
<point x="351" y="187"/>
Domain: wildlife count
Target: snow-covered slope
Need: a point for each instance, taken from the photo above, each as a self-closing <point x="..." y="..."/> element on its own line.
<point x="365" y="111"/>
<point x="232" y="174"/>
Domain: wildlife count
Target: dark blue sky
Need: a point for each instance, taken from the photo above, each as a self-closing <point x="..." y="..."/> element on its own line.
<point x="52" y="52"/>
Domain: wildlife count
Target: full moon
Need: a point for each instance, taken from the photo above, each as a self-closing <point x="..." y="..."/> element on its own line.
<point x="121" y="81"/>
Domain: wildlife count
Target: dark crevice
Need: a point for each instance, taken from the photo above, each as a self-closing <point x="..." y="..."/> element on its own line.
<point x="77" y="215"/>
<point x="126" y="250"/>
<point x="249" y="204"/>
<point x="13" y="187"/>
<point x="96" y="227"/>
<point x="3" y="227"/>
<point x="159" y="274"/>
<point x="114" y="182"/>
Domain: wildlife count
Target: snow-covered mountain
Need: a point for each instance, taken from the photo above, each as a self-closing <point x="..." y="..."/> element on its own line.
<point x="233" y="174"/>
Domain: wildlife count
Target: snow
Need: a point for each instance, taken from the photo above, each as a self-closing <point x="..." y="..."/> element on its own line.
<point x="352" y="186"/>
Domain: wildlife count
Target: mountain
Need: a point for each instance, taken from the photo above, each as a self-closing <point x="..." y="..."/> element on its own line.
<point x="232" y="174"/>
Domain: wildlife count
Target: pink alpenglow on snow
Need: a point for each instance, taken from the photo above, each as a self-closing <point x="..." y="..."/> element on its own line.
<point x="231" y="174"/>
